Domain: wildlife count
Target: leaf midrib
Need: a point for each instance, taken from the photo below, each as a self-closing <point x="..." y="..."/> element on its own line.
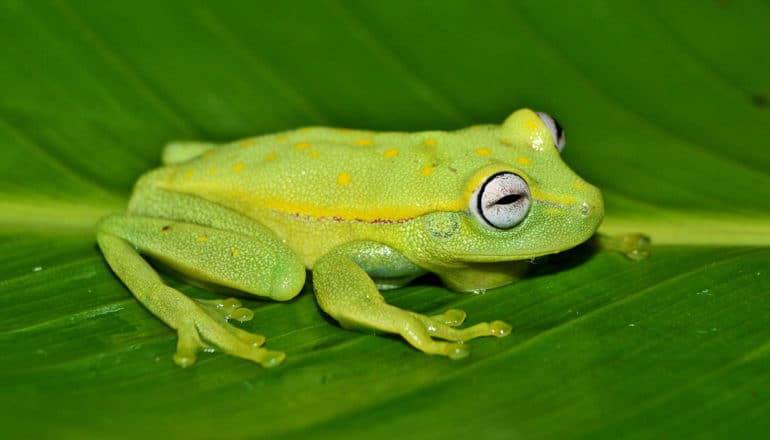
<point x="665" y="226"/>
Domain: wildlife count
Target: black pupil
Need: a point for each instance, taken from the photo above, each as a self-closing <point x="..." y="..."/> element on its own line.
<point x="559" y="130"/>
<point x="507" y="200"/>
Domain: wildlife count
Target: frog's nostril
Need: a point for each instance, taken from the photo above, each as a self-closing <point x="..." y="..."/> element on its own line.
<point x="585" y="209"/>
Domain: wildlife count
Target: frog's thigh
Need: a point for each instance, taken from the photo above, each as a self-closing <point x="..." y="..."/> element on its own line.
<point x="188" y="317"/>
<point x="257" y="263"/>
<point x="345" y="291"/>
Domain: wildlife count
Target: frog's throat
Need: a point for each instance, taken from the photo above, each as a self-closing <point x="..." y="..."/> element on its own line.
<point x="497" y="258"/>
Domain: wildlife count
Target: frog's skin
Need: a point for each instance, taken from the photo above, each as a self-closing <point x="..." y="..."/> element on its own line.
<point x="363" y="211"/>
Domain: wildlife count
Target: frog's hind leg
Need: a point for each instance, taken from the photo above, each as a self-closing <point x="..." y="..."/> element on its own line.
<point x="251" y="263"/>
<point x="182" y="151"/>
<point x="346" y="292"/>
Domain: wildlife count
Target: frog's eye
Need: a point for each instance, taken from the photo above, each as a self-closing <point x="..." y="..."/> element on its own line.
<point x="556" y="131"/>
<point x="502" y="201"/>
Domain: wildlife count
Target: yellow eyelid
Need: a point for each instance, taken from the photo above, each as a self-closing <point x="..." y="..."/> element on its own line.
<point x="553" y="198"/>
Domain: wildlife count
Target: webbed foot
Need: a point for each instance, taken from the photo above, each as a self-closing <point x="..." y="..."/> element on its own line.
<point x="634" y="246"/>
<point x="209" y="319"/>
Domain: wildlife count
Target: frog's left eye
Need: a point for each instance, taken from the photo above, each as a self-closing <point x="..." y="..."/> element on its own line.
<point x="556" y="131"/>
<point x="502" y="201"/>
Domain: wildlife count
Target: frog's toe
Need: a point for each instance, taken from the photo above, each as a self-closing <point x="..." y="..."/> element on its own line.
<point x="242" y="315"/>
<point x="188" y="344"/>
<point x="634" y="246"/>
<point x="208" y="322"/>
<point x="452" y="317"/>
<point x="500" y="328"/>
<point x="269" y="359"/>
<point x="264" y="357"/>
<point x="229" y="308"/>
<point x="458" y="351"/>
<point x="640" y="247"/>
<point x="248" y="338"/>
<point x="440" y="329"/>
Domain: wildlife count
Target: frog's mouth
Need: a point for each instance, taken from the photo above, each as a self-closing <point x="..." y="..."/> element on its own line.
<point x="495" y="258"/>
<point x="575" y="223"/>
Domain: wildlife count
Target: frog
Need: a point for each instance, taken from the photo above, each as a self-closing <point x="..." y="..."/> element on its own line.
<point x="358" y="213"/>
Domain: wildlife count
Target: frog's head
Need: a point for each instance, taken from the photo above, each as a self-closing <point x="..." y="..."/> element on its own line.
<point x="521" y="203"/>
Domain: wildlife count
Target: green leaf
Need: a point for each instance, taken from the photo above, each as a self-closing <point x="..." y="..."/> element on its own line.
<point x="665" y="106"/>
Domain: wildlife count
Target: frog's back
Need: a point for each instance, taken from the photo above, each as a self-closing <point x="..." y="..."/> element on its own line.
<point x="338" y="173"/>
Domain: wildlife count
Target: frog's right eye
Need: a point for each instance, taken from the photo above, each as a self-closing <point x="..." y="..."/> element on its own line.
<point x="502" y="201"/>
<point x="556" y="131"/>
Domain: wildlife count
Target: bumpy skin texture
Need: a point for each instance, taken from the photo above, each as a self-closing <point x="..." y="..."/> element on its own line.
<point x="363" y="210"/>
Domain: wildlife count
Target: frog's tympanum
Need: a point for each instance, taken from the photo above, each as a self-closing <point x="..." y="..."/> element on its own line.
<point x="363" y="211"/>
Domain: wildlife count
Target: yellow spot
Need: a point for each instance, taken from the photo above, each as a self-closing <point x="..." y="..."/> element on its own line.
<point x="302" y="145"/>
<point x="246" y="143"/>
<point x="578" y="186"/>
<point x="427" y="170"/>
<point x="280" y="138"/>
<point x="188" y="174"/>
<point x="483" y="151"/>
<point x="364" y="142"/>
<point x="238" y="167"/>
<point x="235" y="252"/>
<point x="306" y="129"/>
<point x="314" y="154"/>
<point x="209" y="153"/>
<point x="343" y="179"/>
<point x="270" y="157"/>
<point x="213" y="170"/>
<point x="391" y="152"/>
<point x="523" y="160"/>
<point x="530" y="124"/>
<point x="430" y="143"/>
<point x="202" y="238"/>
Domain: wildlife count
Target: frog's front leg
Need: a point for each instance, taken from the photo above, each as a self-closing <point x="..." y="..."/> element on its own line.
<point x="345" y="291"/>
<point x="251" y="263"/>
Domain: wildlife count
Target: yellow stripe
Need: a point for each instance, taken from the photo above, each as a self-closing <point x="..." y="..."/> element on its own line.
<point x="367" y="214"/>
<point x="561" y="200"/>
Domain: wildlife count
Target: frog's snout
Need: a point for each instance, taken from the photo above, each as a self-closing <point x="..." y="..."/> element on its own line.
<point x="592" y="207"/>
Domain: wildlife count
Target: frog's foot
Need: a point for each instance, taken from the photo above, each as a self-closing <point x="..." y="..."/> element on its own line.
<point x="224" y="310"/>
<point x="189" y="343"/>
<point x="229" y="308"/>
<point x="634" y="246"/>
<point x="206" y="320"/>
<point x="345" y="291"/>
<point x="452" y="317"/>
<point x="443" y="327"/>
<point x="421" y="331"/>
